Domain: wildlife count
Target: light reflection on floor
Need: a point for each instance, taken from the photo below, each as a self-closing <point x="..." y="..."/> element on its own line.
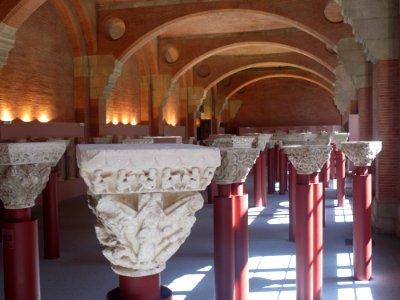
<point x="276" y="274"/>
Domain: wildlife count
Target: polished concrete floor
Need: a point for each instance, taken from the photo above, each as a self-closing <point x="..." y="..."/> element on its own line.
<point x="82" y="273"/>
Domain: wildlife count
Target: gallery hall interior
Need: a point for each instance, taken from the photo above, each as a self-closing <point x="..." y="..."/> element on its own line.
<point x="199" y="149"/>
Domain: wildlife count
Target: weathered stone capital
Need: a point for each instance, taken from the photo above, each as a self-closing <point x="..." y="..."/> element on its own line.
<point x="306" y="138"/>
<point x="362" y="153"/>
<point x="25" y="169"/>
<point x="235" y="165"/>
<point x="21" y="184"/>
<point x="144" y="168"/>
<point x="339" y="137"/>
<point x="261" y="140"/>
<point x="307" y="159"/>
<point x="140" y="232"/>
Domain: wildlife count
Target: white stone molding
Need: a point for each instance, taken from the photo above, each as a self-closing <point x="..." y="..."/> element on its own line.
<point x="144" y="197"/>
<point x="144" y="168"/>
<point x="140" y="232"/>
<point x="236" y="164"/>
<point x="307" y="159"/>
<point x="339" y="137"/>
<point x="234" y="141"/>
<point x="103" y="140"/>
<point x="261" y="140"/>
<point x="362" y="153"/>
<point x="25" y="169"/>
<point x="32" y="153"/>
<point x="138" y="141"/>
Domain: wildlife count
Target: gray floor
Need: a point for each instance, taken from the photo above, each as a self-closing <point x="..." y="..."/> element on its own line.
<point x="82" y="273"/>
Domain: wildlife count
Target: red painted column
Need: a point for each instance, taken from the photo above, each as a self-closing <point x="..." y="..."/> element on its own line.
<point x="20" y="255"/>
<point x="241" y="242"/>
<point x="211" y="192"/>
<point x="318" y="236"/>
<point x="292" y="202"/>
<point x="323" y="175"/>
<point x="327" y="171"/>
<point x="263" y="157"/>
<point x="51" y="231"/>
<point x="283" y="172"/>
<point x="257" y="183"/>
<point x="304" y="238"/>
<point x="224" y="244"/>
<point x="277" y="162"/>
<point x="332" y="162"/>
<point x="271" y="170"/>
<point x="362" y="236"/>
<point x="140" y="288"/>
<point x="340" y="160"/>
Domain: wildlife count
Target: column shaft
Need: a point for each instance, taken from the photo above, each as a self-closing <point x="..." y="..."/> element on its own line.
<point x="224" y="244"/>
<point x="292" y="202"/>
<point x="140" y="288"/>
<point x="51" y="231"/>
<point x="271" y="170"/>
<point x="283" y="172"/>
<point x="257" y="183"/>
<point x="263" y="157"/>
<point x="341" y="176"/>
<point x="20" y="255"/>
<point x="362" y="236"/>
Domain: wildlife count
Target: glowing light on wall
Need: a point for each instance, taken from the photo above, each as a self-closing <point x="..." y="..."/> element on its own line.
<point x="26" y="117"/>
<point x="43" y="118"/>
<point x="115" y="121"/>
<point x="6" y="116"/>
<point x="125" y="120"/>
<point x="133" y="122"/>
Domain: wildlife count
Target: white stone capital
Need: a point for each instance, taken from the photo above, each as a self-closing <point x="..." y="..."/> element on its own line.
<point x="339" y="137"/>
<point x="234" y="141"/>
<point x="144" y="197"/>
<point x="236" y="164"/>
<point x="362" y="153"/>
<point x="261" y="140"/>
<point x="25" y="169"/>
<point x="307" y="159"/>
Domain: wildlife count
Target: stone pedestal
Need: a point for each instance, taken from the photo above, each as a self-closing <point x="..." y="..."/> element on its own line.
<point x="24" y="171"/>
<point x="230" y="224"/>
<point x="308" y="161"/>
<point x="144" y="197"/>
<point x="362" y="154"/>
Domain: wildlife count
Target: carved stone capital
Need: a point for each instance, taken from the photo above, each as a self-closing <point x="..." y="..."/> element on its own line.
<point x="140" y="232"/>
<point x="261" y="140"/>
<point x="362" y="153"/>
<point x="308" y="159"/>
<point x="339" y="137"/>
<point x="21" y="184"/>
<point x="236" y="164"/>
<point x="25" y="169"/>
<point x="234" y="141"/>
<point x="144" y="168"/>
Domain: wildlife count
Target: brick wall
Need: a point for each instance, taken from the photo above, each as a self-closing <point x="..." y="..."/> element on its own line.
<point x="123" y="104"/>
<point x="364" y="97"/>
<point x="386" y="118"/>
<point x="38" y="78"/>
<point x="285" y="102"/>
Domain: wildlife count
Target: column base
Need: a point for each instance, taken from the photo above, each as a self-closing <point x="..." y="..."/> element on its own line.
<point x="165" y="294"/>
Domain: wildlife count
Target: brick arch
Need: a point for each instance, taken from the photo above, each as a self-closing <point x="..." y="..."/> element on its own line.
<point x="14" y="13"/>
<point x="266" y="65"/>
<point x="277" y="75"/>
<point x="141" y="33"/>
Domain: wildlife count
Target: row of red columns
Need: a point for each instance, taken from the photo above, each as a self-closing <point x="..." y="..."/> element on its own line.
<point x="231" y="242"/>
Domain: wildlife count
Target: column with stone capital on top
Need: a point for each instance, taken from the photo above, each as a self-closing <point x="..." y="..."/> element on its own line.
<point x="260" y="169"/>
<point x="24" y="171"/>
<point x="144" y="197"/>
<point x="230" y="218"/>
<point x="308" y="161"/>
<point x="340" y="165"/>
<point x="362" y="155"/>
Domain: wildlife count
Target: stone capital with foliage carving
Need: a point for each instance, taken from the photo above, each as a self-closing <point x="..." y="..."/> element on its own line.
<point x="307" y="159"/>
<point x="363" y="153"/>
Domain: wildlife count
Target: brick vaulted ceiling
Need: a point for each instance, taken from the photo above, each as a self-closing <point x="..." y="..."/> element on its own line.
<point x="204" y="36"/>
